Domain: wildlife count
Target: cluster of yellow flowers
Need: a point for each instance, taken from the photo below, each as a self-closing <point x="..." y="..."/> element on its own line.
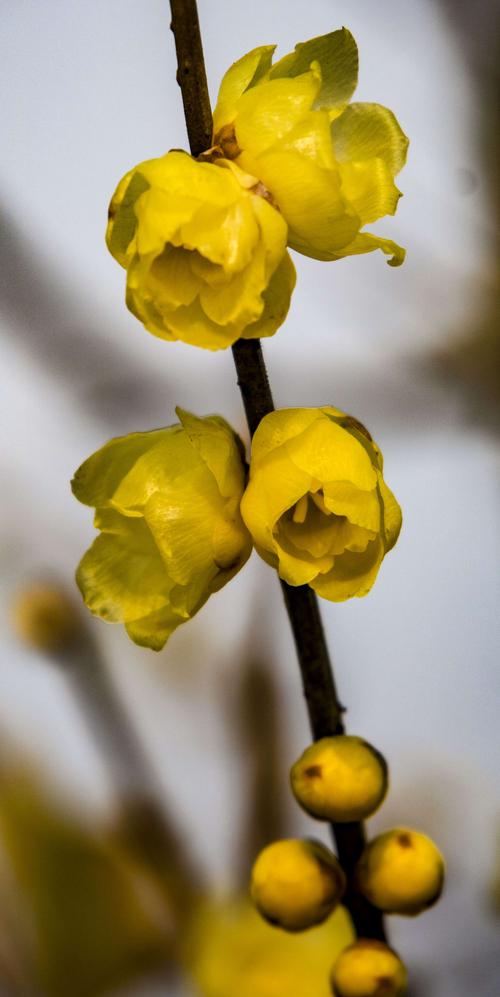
<point x="297" y="884"/>
<point x="204" y="243"/>
<point x="176" y="521"/>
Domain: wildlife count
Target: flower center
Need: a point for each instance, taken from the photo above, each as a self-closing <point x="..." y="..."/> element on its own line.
<point x="309" y="526"/>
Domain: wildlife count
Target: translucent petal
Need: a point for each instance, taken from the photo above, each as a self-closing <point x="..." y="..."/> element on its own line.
<point x="182" y="522"/>
<point x="96" y="481"/>
<point x="122" y="576"/>
<point x="337" y="54"/>
<point x="311" y="201"/>
<point x="227" y="236"/>
<point x="239" y="302"/>
<point x="160" y="215"/>
<point x="154" y="629"/>
<point x="369" y="187"/>
<point x="242" y="75"/>
<point x="268" y="111"/>
<point x="369" y="131"/>
<point x="162" y="468"/>
<point x="219" y="448"/>
<point x="365" y="242"/>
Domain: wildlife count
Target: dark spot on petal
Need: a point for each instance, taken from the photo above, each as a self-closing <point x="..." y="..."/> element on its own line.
<point x="313" y="771"/>
<point x="404" y="840"/>
<point x="349" y="422"/>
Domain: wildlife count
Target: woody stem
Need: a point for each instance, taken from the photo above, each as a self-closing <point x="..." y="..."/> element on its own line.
<point x="323" y="706"/>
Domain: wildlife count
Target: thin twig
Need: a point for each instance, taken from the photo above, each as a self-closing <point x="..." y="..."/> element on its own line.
<point x="324" y="708"/>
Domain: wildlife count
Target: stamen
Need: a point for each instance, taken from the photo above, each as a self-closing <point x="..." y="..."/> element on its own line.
<point x="319" y="501"/>
<point x="300" y="511"/>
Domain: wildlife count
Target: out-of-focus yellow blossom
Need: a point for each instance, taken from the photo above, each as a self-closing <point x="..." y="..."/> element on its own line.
<point x="340" y="779"/>
<point x="205" y="253"/>
<point x="401" y="872"/>
<point x="44" y="616"/>
<point x="232" y="952"/>
<point x="317" y="505"/>
<point x="167" y="505"/>
<point x="84" y="915"/>
<point x="369" y="969"/>
<point x="328" y="164"/>
<point x="296" y="884"/>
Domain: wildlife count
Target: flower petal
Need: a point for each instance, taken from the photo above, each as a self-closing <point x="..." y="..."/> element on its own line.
<point x="353" y="574"/>
<point x="97" y="479"/>
<point x="393" y="517"/>
<point x="369" y="131"/>
<point x="242" y="75"/>
<point x="154" y="629"/>
<point x="268" y="111"/>
<point x="369" y="187"/>
<point x="276" y="298"/>
<point x="218" y="447"/>
<point x="329" y="453"/>
<point x="337" y="54"/>
<point x="365" y="242"/>
<point x="122" y="576"/>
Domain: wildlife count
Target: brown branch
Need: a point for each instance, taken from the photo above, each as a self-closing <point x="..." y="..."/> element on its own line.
<point x="324" y="708"/>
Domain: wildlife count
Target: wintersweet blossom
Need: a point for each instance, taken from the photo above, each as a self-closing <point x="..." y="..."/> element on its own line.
<point x="317" y="505"/>
<point x="205" y="252"/>
<point x="167" y="505"/>
<point x="328" y="164"/>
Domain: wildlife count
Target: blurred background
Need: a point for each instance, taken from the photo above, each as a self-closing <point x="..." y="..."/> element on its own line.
<point x="136" y="788"/>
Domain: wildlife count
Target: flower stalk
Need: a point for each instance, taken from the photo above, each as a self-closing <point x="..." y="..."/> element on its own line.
<point x="323" y="705"/>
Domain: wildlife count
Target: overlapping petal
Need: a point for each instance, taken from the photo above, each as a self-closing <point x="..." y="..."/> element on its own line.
<point x="316" y="504"/>
<point x="171" y="533"/>
<point x="205" y="253"/>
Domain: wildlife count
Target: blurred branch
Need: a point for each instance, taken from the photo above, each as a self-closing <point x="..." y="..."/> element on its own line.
<point x="324" y="708"/>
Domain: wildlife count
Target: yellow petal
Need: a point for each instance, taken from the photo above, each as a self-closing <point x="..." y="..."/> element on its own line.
<point x="122" y="220"/>
<point x="337" y="55"/>
<point x="278" y="427"/>
<point x="153" y="630"/>
<point x="242" y="75"/>
<point x="365" y="242"/>
<point x="276" y="298"/>
<point x="219" y="448"/>
<point x="370" y="189"/>
<point x="171" y="280"/>
<point x="268" y="111"/>
<point x="392" y="514"/>
<point x="369" y="131"/>
<point x="310" y="198"/>
<point x="272" y="489"/>
<point x="240" y="302"/>
<point x="361" y="507"/>
<point x="122" y="576"/>
<point x="329" y="453"/>
<point x="226" y="236"/>
<point x="170" y="461"/>
<point x="96" y="481"/>
<point x="353" y="574"/>
<point x="299" y="569"/>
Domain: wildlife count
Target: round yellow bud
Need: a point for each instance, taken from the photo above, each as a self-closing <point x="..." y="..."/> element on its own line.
<point x="340" y="779"/>
<point x="296" y="884"/>
<point x="368" y="969"/>
<point x="44" y="616"/>
<point x="401" y="872"/>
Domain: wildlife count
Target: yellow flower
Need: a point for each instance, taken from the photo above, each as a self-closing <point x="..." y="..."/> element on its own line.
<point x="205" y="254"/>
<point x="232" y="952"/>
<point x="167" y="504"/>
<point x="317" y="505"/>
<point x="329" y="165"/>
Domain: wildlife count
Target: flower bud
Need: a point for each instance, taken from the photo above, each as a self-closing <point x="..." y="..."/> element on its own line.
<point x="368" y="969"/>
<point x="317" y="505"/>
<point x="167" y="505"/>
<point x="401" y="872"/>
<point x="340" y="779"/>
<point x="205" y="254"/>
<point x="44" y="616"/>
<point x="296" y="884"/>
<point x="329" y="164"/>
